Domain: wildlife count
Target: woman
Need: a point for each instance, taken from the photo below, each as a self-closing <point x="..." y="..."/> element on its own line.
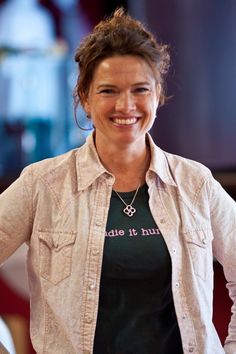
<point x="121" y="234"/>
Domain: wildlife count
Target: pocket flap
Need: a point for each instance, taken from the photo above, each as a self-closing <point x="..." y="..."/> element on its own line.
<point x="57" y="239"/>
<point x="200" y="237"/>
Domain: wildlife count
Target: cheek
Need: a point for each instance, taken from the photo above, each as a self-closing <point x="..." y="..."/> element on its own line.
<point x="105" y="107"/>
<point x="151" y="103"/>
<point x="99" y="111"/>
<point x="152" y="107"/>
<point x="155" y="107"/>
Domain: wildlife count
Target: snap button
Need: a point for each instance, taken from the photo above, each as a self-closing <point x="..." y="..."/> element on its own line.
<point x="95" y="252"/>
<point x="92" y="286"/>
<point x="88" y="319"/>
<point x="191" y="348"/>
<point x="177" y="284"/>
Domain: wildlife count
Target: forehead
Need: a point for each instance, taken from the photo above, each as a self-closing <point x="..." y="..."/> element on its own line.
<point x="123" y="67"/>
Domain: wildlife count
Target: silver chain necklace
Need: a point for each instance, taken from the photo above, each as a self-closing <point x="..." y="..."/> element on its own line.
<point x="129" y="209"/>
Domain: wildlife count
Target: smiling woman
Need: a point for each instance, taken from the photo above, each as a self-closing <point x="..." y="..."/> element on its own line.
<point x="122" y="101"/>
<point x="111" y="38"/>
<point x="120" y="86"/>
<point x="120" y="232"/>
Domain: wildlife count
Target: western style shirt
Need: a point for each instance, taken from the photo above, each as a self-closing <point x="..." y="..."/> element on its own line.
<point x="59" y="207"/>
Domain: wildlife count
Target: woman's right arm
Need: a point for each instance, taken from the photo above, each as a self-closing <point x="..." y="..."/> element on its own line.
<point x="16" y="214"/>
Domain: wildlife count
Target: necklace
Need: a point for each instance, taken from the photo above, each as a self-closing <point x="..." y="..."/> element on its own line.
<point x="129" y="209"/>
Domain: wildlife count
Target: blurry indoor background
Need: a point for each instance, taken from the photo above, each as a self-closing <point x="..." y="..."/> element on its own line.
<point x="37" y="76"/>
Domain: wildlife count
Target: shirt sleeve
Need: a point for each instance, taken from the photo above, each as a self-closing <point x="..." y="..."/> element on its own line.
<point x="223" y="220"/>
<point x="16" y="214"/>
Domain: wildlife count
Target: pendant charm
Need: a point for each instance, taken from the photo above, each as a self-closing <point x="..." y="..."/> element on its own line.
<point x="129" y="210"/>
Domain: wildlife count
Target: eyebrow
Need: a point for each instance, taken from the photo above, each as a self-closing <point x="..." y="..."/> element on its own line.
<point x="145" y="83"/>
<point x="142" y="83"/>
<point x="105" y="85"/>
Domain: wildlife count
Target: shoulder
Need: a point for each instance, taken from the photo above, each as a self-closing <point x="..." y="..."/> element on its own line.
<point x="61" y="164"/>
<point x="187" y="167"/>
<point x="187" y="175"/>
<point x="52" y="179"/>
<point x="55" y="173"/>
<point x="193" y="179"/>
<point x="53" y="165"/>
<point x="176" y="169"/>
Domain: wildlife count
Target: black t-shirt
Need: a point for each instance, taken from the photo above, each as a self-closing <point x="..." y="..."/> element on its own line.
<point x="136" y="313"/>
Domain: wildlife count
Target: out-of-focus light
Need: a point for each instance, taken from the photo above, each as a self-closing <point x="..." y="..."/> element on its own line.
<point x="65" y="4"/>
<point x="24" y="24"/>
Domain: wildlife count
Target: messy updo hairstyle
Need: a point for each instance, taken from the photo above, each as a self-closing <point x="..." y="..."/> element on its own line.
<point x="119" y="34"/>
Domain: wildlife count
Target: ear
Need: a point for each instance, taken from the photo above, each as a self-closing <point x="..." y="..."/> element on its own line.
<point x="86" y="107"/>
<point x="158" y="91"/>
<point x="84" y="101"/>
<point x="86" y="104"/>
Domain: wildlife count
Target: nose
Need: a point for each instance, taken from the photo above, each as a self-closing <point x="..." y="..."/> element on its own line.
<point x="125" y="102"/>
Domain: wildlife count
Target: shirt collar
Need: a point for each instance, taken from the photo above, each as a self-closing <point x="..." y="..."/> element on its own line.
<point x="89" y="166"/>
<point x="159" y="163"/>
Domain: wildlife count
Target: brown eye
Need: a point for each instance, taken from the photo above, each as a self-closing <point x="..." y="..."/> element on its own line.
<point x="107" y="91"/>
<point x="141" y="89"/>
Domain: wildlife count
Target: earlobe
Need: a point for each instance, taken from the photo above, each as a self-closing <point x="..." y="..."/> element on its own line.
<point x="86" y="107"/>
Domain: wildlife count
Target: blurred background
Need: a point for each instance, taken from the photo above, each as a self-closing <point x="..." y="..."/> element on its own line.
<point x="37" y="76"/>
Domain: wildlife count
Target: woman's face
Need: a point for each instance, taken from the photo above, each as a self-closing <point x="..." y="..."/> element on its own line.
<point x="122" y="100"/>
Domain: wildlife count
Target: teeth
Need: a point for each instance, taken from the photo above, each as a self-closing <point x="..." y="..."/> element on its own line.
<point x="125" y="121"/>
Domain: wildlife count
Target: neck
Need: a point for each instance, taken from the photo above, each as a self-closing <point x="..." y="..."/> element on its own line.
<point x="127" y="163"/>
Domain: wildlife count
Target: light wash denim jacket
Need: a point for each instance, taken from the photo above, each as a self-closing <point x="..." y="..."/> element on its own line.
<point x="59" y="206"/>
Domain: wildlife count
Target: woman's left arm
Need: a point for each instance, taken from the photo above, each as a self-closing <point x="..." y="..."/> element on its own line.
<point x="223" y="221"/>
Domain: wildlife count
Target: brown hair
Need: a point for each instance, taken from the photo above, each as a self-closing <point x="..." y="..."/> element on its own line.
<point x="119" y="34"/>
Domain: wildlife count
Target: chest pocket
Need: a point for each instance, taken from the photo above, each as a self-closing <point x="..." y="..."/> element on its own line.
<point x="199" y="245"/>
<point x="55" y="255"/>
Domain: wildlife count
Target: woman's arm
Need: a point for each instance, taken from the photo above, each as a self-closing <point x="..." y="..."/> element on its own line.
<point x="223" y="220"/>
<point x="16" y="214"/>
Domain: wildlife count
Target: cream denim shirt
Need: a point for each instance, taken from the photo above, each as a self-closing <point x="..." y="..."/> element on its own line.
<point x="59" y="206"/>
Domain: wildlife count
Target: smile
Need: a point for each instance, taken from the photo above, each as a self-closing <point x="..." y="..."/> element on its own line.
<point x="122" y="121"/>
